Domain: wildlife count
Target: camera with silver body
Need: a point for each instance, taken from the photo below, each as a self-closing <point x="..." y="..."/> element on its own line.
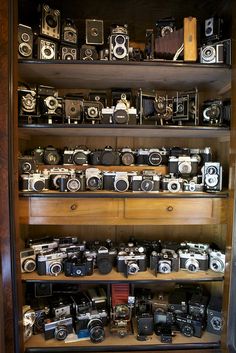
<point x="28" y="260"/>
<point x="170" y="183"/>
<point x="119" y="43"/>
<point x="35" y="181"/>
<point x="49" y="263"/>
<point x="193" y="260"/>
<point x="58" y="328"/>
<point x="212" y="176"/>
<point x="118" y="181"/>
<point x="147" y="181"/>
<point x="152" y="156"/>
<point x="212" y="53"/>
<point x="216" y="260"/>
<point x="193" y="186"/>
<point x="73" y="182"/>
<point x="131" y="260"/>
<point x="185" y="166"/>
<point x="121" y="113"/>
<point x="94" y="179"/>
<point x="78" y="155"/>
<point x="164" y="262"/>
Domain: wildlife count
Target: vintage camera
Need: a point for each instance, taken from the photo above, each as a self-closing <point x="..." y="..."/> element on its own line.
<point x="185" y="166"/>
<point x="149" y="44"/>
<point x="68" y="53"/>
<point x="216" y="112"/>
<point x="104" y="54"/>
<point x="78" y="265"/>
<point x="48" y="155"/>
<point x="163" y="317"/>
<point x="212" y="176"/>
<point x="60" y="307"/>
<point x="107" y="156"/>
<point x="135" y="54"/>
<point x="217" y="260"/>
<point x="46" y="49"/>
<point x="189" y="326"/>
<point x="69" y="32"/>
<point x="27" y="164"/>
<point x="193" y="261"/>
<point x="28" y="321"/>
<point x="94" y="179"/>
<point x="193" y="186"/>
<point x="214" y="315"/>
<point x="213" y="28"/>
<point x="55" y="176"/>
<point x="164" y="262"/>
<point x="98" y="298"/>
<point x="195" y="246"/>
<point x="131" y="260"/>
<point x="121" y="113"/>
<point x="119" y="43"/>
<point x="105" y="259"/>
<point x="27" y="101"/>
<point x="58" y="328"/>
<point x="28" y="260"/>
<point x="94" y="321"/>
<point x="49" y="263"/>
<point x="94" y="32"/>
<point x="92" y="111"/>
<point x="40" y="245"/>
<point x="198" y="305"/>
<point x="50" y="22"/>
<point x="25" y="42"/>
<point x="217" y="53"/>
<point x="78" y="156"/>
<point x="178" y="300"/>
<point x="73" y="182"/>
<point x="148" y="181"/>
<point x="50" y="105"/>
<point x="73" y="109"/>
<point x="127" y="156"/>
<point x="165" y="26"/>
<point x="152" y="156"/>
<point x="203" y="154"/>
<point x="186" y="108"/>
<point x="170" y="183"/>
<point x="41" y="315"/>
<point x="35" y="182"/>
<point x="118" y="181"/>
<point x="88" y="52"/>
<point x="120" y="322"/>
<point x="145" y="324"/>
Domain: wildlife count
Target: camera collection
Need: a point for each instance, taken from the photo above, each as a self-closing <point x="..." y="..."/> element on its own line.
<point x="58" y="38"/>
<point x="40" y="104"/>
<point x="189" y="169"/>
<point x="90" y="314"/>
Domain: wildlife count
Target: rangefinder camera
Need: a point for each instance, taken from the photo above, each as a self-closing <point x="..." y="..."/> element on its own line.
<point x="217" y="261"/>
<point x="35" y="182"/>
<point x="49" y="263"/>
<point x="193" y="261"/>
<point x="165" y="262"/>
<point x="132" y="261"/>
<point x="185" y="166"/>
<point x="172" y="184"/>
<point x="148" y="181"/>
<point x="118" y="181"/>
<point x="58" y="328"/>
<point x="28" y="260"/>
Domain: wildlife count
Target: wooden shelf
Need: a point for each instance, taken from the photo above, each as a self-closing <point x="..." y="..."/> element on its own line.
<point x="141" y="277"/>
<point x="107" y="74"/>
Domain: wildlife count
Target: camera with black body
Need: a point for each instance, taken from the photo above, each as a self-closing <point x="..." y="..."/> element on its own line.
<point x="38" y="181"/>
<point x="81" y="303"/>
<point x="147" y="181"/>
<point x="27" y="164"/>
<point x="164" y="262"/>
<point x="178" y="300"/>
<point x="50" y="25"/>
<point x="56" y="175"/>
<point x="197" y="305"/>
<point x="184" y="166"/>
<point x="121" y="113"/>
<point x="25" y="42"/>
<point x="118" y="181"/>
<point x="78" y="266"/>
<point x="73" y="109"/>
<point x="105" y="259"/>
<point x="216" y="53"/>
<point x="98" y="298"/>
<point x="92" y="112"/>
<point x="78" y="155"/>
<point x="119" y="43"/>
<point x="162" y="317"/>
<point x="107" y="156"/>
<point x="186" y="108"/>
<point x="94" y="179"/>
<point x="127" y="156"/>
<point x="217" y="260"/>
<point x="94" y="32"/>
<point x="190" y="326"/>
<point x="58" y="328"/>
<point x="165" y="26"/>
<point x="213" y="29"/>
<point x="48" y="155"/>
<point x="145" y="324"/>
<point x="131" y="259"/>
<point x="203" y="154"/>
<point x="152" y="156"/>
<point x="212" y="176"/>
<point x="214" y="315"/>
<point x="216" y="112"/>
<point x="28" y="260"/>
<point x="69" y="32"/>
<point x="193" y="260"/>
<point x="88" y="52"/>
<point x="68" y="52"/>
<point x="170" y="183"/>
<point x="50" y="263"/>
<point x="60" y="307"/>
<point x="135" y="54"/>
<point x="41" y="315"/>
<point x="28" y="104"/>
<point x="50" y="105"/>
<point x="45" y="49"/>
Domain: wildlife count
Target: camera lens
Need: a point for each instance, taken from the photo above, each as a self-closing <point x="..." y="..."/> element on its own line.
<point x="104" y="266"/>
<point x="217" y="265"/>
<point x="187" y="330"/>
<point x="93" y="183"/>
<point x="28" y="102"/>
<point x="208" y="53"/>
<point x="73" y="185"/>
<point x="120" y="39"/>
<point x="51" y="21"/>
<point x="25" y="49"/>
<point x="192" y="265"/>
<point x="108" y="158"/>
<point x="121" y="184"/>
<point x="26" y="167"/>
<point x="92" y="112"/>
<point x="173" y="186"/>
<point x="127" y="158"/>
<point x="147" y="185"/>
<point x="29" y="265"/>
<point x="48" y="52"/>
<point x="185" y="167"/>
<point x="132" y="267"/>
<point x="80" y="158"/>
<point x="38" y="185"/>
<point x="55" y="268"/>
<point x="155" y="158"/>
<point x="211" y="180"/>
<point x="96" y="330"/>
<point x="120" y="116"/>
<point x="60" y="332"/>
<point x="164" y="267"/>
<point x="51" y="157"/>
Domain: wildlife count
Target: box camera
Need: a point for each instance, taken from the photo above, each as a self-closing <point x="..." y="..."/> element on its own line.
<point x="214" y="316"/>
<point x="217" y="260"/>
<point x="94" y="179"/>
<point x="49" y="263"/>
<point x="73" y="182"/>
<point x="79" y="265"/>
<point x="184" y="166"/>
<point x="69" y="32"/>
<point x="148" y="181"/>
<point x="127" y="156"/>
<point x="119" y="43"/>
<point x="68" y="53"/>
<point x="165" y="262"/>
<point x="35" y="182"/>
<point x="152" y="156"/>
<point x="145" y="324"/>
<point x="189" y="326"/>
<point x="94" y="32"/>
<point x="105" y="259"/>
<point x="46" y="49"/>
<point x="107" y="156"/>
<point x="165" y="26"/>
<point x="27" y="164"/>
<point x="27" y="101"/>
<point x="73" y="109"/>
<point x="213" y="27"/>
<point x="121" y="113"/>
<point x="28" y="260"/>
<point x="118" y="181"/>
<point x="132" y="261"/>
<point x="92" y="111"/>
<point x="94" y="321"/>
<point x="50" y="22"/>
<point x="25" y="42"/>
<point x="88" y="52"/>
<point x="58" y="328"/>
<point x="78" y="156"/>
<point x="212" y="176"/>
<point x="193" y="261"/>
<point x="172" y="184"/>
<point x="186" y="108"/>
<point x="216" y="112"/>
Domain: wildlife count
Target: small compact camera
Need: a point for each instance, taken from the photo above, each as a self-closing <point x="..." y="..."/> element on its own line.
<point x="189" y="326"/>
<point x="152" y="156"/>
<point x="212" y="176"/>
<point x="69" y="32"/>
<point x="28" y="260"/>
<point x="107" y="156"/>
<point x="50" y="22"/>
<point x="119" y="43"/>
<point x="27" y="100"/>
<point x="88" y="52"/>
<point x="78" y="265"/>
<point x="193" y="261"/>
<point x="131" y="260"/>
<point x="49" y="263"/>
<point x="118" y="181"/>
<point x="42" y="245"/>
<point x="46" y="49"/>
<point x="217" y="260"/>
<point x="185" y="166"/>
<point x="68" y="53"/>
<point x="27" y="164"/>
<point x="165" y="262"/>
<point x="25" y="42"/>
<point x="58" y="328"/>
<point x="78" y="156"/>
<point x="92" y="111"/>
<point x="121" y="113"/>
<point x="35" y="182"/>
<point x="216" y="112"/>
<point x="94" y="179"/>
<point x="193" y="186"/>
<point x="170" y="183"/>
<point x="148" y="181"/>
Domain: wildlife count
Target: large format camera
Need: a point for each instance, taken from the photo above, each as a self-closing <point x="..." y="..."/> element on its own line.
<point x="148" y="181"/>
<point x="118" y="181"/>
<point x="58" y="328"/>
<point x="107" y="156"/>
<point x="28" y="260"/>
<point x="119" y="43"/>
<point x="50" y="22"/>
<point x="217" y="261"/>
<point x="165" y="262"/>
<point x="185" y="166"/>
<point x="152" y="156"/>
<point x="49" y="263"/>
<point x="189" y="326"/>
<point x="94" y="321"/>
<point x="121" y="113"/>
<point x="131" y="260"/>
<point x="78" y="156"/>
<point x="193" y="261"/>
<point x="35" y="182"/>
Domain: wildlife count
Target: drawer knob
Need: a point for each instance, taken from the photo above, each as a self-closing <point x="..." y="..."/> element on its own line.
<point x="170" y="208"/>
<point x="73" y="207"/>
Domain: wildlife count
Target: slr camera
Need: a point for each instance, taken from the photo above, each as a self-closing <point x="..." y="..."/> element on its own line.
<point x="127" y="156"/>
<point x="94" y="179"/>
<point x="121" y="113"/>
<point x="216" y="112"/>
<point x="189" y="326"/>
<point x="92" y="111"/>
<point x="217" y="261"/>
<point x="172" y="184"/>
<point x="94" y="321"/>
<point x="131" y="260"/>
<point x="212" y="176"/>
<point x="49" y="263"/>
<point x="50" y="22"/>
<point x="148" y="181"/>
<point x="69" y="31"/>
<point x="119" y="43"/>
<point x="152" y="156"/>
<point x="107" y="156"/>
<point x="48" y="155"/>
<point x="27" y="164"/>
<point x="164" y="262"/>
<point x="73" y="182"/>
<point x="27" y="101"/>
<point x="50" y="105"/>
<point x="118" y="181"/>
<point x="105" y="259"/>
<point x="25" y="42"/>
<point x="78" y="156"/>
<point x="73" y="109"/>
<point x="56" y="175"/>
<point x="35" y="182"/>
<point x="78" y="265"/>
<point x="46" y="49"/>
<point x="28" y="260"/>
<point x="58" y="328"/>
<point x="185" y="166"/>
<point x="193" y="261"/>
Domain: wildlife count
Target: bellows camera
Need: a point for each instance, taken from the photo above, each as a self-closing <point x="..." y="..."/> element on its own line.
<point x="216" y="112"/>
<point x="119" y="43"/>
<point x="25" y="42"/>
<point x="27" y="100"/>
<point x="50" y="22"/>
<point x="73" y="109"/>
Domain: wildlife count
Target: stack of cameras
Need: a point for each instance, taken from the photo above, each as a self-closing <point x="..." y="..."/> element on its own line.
<point x="52" y="256"/>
